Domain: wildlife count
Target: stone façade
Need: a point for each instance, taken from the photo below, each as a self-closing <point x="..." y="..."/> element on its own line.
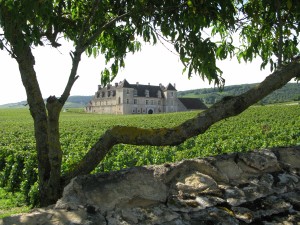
<point x="126" y="98"/>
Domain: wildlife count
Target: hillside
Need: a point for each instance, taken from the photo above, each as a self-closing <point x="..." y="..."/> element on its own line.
<point x="72" y="102"/>
<point x="290" y="92"/>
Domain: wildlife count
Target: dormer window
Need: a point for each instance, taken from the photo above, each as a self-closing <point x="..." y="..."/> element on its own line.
<point x="159" y="94"/>
<point x="147" y="93"/>
<point x="134" y="92"/>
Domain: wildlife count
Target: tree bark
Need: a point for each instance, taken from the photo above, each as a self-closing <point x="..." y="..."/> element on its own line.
<point x="54" y="106"/>
<point x="55" y="153"/>
<point x="21" y="51"/>
<point x="228" y="107"/>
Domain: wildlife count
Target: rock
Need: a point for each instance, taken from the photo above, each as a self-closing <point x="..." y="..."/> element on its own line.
<point x="229" y="168"/>
<point x="259" y="187"/>
<point x="196" y="183"/>
<point x="289" y="156"/>
<point x="262" y="160"/>
<point x="127" y="188"/>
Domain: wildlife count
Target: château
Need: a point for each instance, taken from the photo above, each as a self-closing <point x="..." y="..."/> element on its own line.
<point x="126" y="98"/>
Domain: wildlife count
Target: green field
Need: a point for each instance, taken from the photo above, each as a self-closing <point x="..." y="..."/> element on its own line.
<point x="258" y="127"/>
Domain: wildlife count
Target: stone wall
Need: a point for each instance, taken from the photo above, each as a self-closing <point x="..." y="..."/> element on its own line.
<point x="259" y="187"/>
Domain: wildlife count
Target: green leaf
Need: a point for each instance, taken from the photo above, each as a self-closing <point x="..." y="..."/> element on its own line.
<point x="289" y="4"/>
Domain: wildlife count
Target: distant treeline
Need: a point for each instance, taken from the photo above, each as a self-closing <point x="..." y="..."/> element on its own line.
<point x="290" y="92"/>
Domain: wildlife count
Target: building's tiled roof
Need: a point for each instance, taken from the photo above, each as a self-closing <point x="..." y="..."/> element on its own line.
<point x="125" y="84"/>
<point x="153" y="90"/>
<point x="193" y="103"/>
<point x="170" y="87"/>
<point x="141" y="88"/>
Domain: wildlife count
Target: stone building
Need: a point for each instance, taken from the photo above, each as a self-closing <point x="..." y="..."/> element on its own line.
<point x="126" y="98"/>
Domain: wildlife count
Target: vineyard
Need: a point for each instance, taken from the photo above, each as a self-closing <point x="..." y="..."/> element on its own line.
<point x="256" y="128"/>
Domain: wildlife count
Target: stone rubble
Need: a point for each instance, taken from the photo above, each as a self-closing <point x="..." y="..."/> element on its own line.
<point x="258" y="187"/>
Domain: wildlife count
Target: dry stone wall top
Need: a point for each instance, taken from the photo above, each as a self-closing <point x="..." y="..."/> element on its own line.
<point x="258" y="187"/>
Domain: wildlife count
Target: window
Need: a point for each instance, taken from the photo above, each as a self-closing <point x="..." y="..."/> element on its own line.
<point x="127" y="91"/>
<point x="159" y="94"/>
<point x="147" y="102"/>
<point x="172" y="94"/>
<point x="135" y="101"/>
<point x="152" y="102"/>
<point x="127" y="101"/>
<point x="134" y="92"/>
<point x="147" y="93"/>
<point x="159" y="102"/>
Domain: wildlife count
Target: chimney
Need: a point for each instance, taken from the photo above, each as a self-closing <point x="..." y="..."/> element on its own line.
<point x="149" y="84"/>
<point x="137" y="83"/>
<point x="174" y="85"/>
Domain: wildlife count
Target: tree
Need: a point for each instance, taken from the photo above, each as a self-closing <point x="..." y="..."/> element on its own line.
<point x="267" y="29"/>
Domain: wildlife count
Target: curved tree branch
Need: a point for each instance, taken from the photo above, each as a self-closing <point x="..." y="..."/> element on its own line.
<point x="280" y="30"/>
<point x="76" y="57"/>
<point x="228" y="107"/>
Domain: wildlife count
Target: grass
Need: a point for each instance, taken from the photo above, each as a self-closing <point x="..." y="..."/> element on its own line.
<point x="11" y="203"/>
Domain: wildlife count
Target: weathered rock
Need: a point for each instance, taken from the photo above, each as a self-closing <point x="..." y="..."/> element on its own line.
<point x="259" y="187"/>
<point x="127" y="188"/>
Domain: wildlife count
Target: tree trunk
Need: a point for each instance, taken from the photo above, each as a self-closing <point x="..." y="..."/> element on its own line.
<point x="39" y="115"/>
<point x="54" y="189"/>
<point x="45" y="127"/>
<point x="46" y="131"/>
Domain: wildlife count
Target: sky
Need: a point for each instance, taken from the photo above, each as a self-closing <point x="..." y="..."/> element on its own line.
<point x="153" y="64"/>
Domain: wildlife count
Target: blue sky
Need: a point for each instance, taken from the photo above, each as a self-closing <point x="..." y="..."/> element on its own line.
<point x="154" y="65"/>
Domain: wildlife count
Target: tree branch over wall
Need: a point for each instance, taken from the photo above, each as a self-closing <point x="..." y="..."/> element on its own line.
<point x="226" y="108"/>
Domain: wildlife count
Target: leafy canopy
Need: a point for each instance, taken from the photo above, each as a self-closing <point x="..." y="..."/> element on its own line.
<point x="113" y="28"/>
